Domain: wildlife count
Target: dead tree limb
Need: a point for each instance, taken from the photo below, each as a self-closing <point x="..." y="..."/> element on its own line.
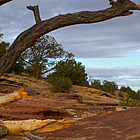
<point x="35" y="10"/>
<point x="30" y="136"/>
<point x="4" y="2"/>
<point x="32" y="127"/>
<point x="19" y="94"/>
<point x="28" y="38"/>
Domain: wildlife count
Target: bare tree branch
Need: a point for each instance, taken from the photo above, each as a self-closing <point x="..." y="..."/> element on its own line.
<point x="35" y="9"/>
<point x="33" y="137"/>
<point x="47" y="71"/>
<point x="138" y="6"/>
<point x="27" y="38"/>
<point x="4" y="2"/>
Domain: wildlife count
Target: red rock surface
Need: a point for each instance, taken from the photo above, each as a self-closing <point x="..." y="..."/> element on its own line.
<point x="33" y="108"/>
<point x="44" y="104"/>
<point x="122" y="125"/>
<point x="37" y="107"/>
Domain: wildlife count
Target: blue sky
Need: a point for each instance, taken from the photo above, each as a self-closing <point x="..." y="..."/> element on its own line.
<point x="110" y="50"/>
<point x="110" y="62"/>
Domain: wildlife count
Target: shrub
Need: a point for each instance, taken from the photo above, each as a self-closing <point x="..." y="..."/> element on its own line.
<point x="132" y="94"/>
<point x="121" y="95"/>
<point x="129" y="102"/>
<point x="60" y="84"/>
<point x="72" y="69"/>
<point x="80" y="100"/>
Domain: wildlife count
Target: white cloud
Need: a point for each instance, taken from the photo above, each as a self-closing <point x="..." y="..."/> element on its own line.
<point x="118" y="37"/>
<point x="112" y="38"/>
<point x="123" y="76"/>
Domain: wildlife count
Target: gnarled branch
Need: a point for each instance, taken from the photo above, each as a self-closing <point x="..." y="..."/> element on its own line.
<point x="27" y="38"/>
<point x="138" y="6"/>
<point x="33" y="137"/>
<point x="35" y="10"/>
<point x="4" y="2"/>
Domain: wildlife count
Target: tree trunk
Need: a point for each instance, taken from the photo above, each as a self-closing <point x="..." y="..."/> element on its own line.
<point x="4" y="2"/>
<point x="16" y="128"/>
<point x="37" y="70"/>
<point x="19" y="94"/>
<point x="27" y="38"/>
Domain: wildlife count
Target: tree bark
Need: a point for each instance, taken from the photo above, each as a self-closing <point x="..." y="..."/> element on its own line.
<point x="35" y="10"/>
<point x="27" y="38"/>
<point x="19" y="94"/>
<point x="4" y="1"/>
<point x="33" y="137"/>
<point x="16" y="128"/>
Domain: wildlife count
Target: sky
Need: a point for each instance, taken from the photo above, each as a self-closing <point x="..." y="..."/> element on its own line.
<point x="109" y="50"/>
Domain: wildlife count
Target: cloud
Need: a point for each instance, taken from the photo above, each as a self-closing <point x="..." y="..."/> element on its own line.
<point x="117" y="37"/>
<point x="123" y="76"/>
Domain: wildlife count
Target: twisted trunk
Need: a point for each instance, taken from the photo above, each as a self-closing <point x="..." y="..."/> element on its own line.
<point x="27" y="38"/>
<point x="4" y="1"/>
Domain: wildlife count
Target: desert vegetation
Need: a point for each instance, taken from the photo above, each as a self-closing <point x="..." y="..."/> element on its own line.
<point x="36" y="54"/>
<point x="48" y="55"/>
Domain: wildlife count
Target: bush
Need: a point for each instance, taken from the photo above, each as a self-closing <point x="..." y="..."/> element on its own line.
<point x="121" y="95"/>
<point x="129" y="102"/>
<point x="72" y="69"/>
<point x="130" y="93"/>
<point x="60" y="84"/>
<point x="80" y="100"/>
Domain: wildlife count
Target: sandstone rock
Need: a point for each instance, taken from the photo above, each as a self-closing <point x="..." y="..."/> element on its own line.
<point x="43" y="104"/>
<point x="34" y="108"/>
<point x="101" y="103"/>
<point x="11" y="82"/>
<point x="122" y="125"/>
<point x="37" y="107"/>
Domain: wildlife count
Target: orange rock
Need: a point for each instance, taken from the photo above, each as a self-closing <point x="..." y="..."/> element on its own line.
<point x="84" y="115"/>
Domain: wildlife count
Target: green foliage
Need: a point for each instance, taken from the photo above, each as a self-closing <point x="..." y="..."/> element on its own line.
<point x="110" y="86"/>
<point x="105" y="86"/>
<point x="72" y="69"/>
<point x="3" y="46"/>
<point x="138" y="94"/>
<point x="60" y="84"/>
<point x="1" y="35"/>
<point x="129" y="102"/>
<point x="121" y="95"/>
<point x="17" y="68"/>
<point x="43" y="56"/>
<point x="124" y="89"/>
<point x="96" y="84"/>
<point x="80" y="100"/>
<point x="130" y="93"/>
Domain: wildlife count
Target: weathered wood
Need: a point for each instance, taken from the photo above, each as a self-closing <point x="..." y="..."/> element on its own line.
<point x="138" y="6"/>
<point x="27" y="38"/>
<point x="30" y="136"/>
<point x="16" y="128"/>
<point x="35" y="10"/>
<point x="4" y="1"/>
<point x="19" y="94"/>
